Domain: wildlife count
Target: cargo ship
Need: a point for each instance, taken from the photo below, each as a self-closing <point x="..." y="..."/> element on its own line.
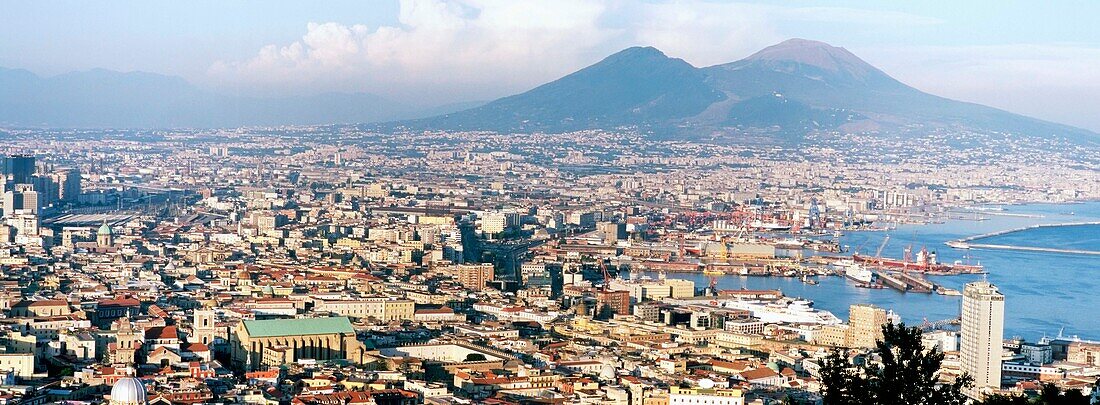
<point x="925" y="263"/>
<point x="856" y="271"/>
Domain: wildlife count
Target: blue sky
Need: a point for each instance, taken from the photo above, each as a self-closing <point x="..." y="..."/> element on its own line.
<point x="1037" y="58"/>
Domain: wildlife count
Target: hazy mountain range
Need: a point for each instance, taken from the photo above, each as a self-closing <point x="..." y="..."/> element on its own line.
<point x="101" y="98"/>
<point x="791" y="87"/>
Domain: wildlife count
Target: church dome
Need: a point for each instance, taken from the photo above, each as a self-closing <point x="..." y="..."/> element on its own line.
<point x="128" y="391"/>
<point x="104" y="229"/>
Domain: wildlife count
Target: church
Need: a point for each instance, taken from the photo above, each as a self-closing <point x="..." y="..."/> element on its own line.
<point x="259" y="344"/>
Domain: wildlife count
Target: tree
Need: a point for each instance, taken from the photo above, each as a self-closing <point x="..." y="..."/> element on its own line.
<point x="475" y="357"/>
<point x="908" y="374"/>
<point x="606" y="313"/>
<point x="1050" y="394"/>
<point x="998" y="399"/>
<point x="841" y="383"/>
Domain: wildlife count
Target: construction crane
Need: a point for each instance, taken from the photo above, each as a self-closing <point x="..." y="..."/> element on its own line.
<point x="606" y="276"/>
<point x="878" y="253"/>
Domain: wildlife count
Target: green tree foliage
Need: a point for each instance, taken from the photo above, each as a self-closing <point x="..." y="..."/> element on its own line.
<point x="1050" y="394"/>
<point x="907" y="375"/>
<point x="605" y="313"/>
<point x="475" y="357"/>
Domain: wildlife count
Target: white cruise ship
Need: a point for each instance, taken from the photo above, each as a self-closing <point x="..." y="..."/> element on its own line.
<point x="784" y="311"/>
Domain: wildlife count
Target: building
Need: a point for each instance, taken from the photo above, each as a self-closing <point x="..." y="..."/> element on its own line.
<point x="612" y="232"/>
<point x="1037" y="354"/>
<point x="68" y="185"/>
<point x="865" y="325"/>
<point x="203" y="327"/>
<point x="104" y="236"/>
<point x="380" y="309"/>
<point x="472" y="276"/>
<point x="494" y="222"/>
<point x="619" y="301"/>
<point x="128" y="391"/>
<point x="330" y="338"/>
<point x="1083" y="353"/>
<point x="22" y="199"/>
<point x="983" y="310"/>
<point x="708" y="395"/>
<point x="20" y="168"/>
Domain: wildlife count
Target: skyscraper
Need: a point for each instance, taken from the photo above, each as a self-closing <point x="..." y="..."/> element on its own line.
<point x="983" y="312"/>
<point x="21" y="168"/>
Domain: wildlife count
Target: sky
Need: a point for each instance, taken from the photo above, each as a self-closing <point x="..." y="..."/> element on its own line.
<point x="1040" y="59"/>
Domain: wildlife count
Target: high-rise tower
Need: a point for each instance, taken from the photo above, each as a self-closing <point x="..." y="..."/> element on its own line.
<point x="983" y="314"/>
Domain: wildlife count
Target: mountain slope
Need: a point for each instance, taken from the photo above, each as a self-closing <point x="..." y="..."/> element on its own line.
<point x="636" y="86"/>
<point x="831" y="78"/>
<point x="790" y="87"/>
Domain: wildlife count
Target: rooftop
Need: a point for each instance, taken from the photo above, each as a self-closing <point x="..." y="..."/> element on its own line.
<point x="298" y="326"/>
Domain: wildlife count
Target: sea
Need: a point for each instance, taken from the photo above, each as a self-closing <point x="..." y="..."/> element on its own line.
<point x="1046" y="294"/>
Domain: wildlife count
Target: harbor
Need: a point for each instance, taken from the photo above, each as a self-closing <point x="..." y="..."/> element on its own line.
<point x="1024" y="276"/>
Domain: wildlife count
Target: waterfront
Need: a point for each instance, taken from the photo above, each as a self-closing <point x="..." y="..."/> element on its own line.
<point x="1044" y="291"/>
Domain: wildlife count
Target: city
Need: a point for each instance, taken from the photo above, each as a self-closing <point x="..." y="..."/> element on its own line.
<point x="898" y="248"/>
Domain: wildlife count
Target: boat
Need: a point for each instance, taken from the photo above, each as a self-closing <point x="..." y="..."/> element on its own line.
<point x="951" y="292"/>
<point x="789" y="243"/>
<point x="856" y="271"/>
<point x="784" y="311"/>
<point x="926" y="263"/>
<point x="769" y="226"/>
<point x="860" y="274"/>
<point x="957" y="244"/>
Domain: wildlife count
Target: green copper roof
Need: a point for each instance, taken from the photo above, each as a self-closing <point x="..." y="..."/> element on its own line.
<point x="298" y="326"/>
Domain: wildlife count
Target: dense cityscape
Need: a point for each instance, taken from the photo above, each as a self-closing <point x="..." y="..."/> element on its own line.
<point x="332" y="265"/>
<point x="532" y="202"/>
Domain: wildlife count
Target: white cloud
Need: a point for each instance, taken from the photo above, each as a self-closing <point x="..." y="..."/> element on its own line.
<point x="705" y="33"/>
<point x="446" y="50"/>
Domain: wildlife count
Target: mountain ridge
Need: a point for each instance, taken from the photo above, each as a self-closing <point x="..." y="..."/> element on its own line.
<point x="789" y="88"/>
<point x="102" y="98"/>
<point x="822" y="87"/>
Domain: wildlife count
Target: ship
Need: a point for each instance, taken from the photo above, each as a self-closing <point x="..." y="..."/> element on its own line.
<point x="786" y="310"/>
<point x="770" y="226"/>
<point x="925" y="263"/>
<point x="957" y="244"/>
<point x="855" y="271"/>
<point x="951" y="292"/>
<point x="860" y="274"/>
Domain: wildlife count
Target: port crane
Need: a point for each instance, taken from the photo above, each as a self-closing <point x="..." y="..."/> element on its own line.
<point x="878" y="253"/>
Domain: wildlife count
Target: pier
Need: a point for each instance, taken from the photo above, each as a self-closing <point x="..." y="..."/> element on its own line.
<point x="965" y="243"/>
<point x="905" y="282"/>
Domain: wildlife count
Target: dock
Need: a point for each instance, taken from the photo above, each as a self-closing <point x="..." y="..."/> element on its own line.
<point x="965" y="243"/>
<point x="905" y="282"/>
<point x="1032" y="249"/>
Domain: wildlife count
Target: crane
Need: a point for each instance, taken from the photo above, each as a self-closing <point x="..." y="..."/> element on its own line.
<point x="878" y="253"/>
<point x="606" y="276"/>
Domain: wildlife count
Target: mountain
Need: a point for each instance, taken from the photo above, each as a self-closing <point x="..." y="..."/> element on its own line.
<point x="790" y="87"/>
<point x="636" y="86"/>
<point x="829" y="78"/>
<point x="101" y="98"/>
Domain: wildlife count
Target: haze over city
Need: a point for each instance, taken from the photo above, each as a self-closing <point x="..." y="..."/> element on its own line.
<point x="549" y="202"/>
